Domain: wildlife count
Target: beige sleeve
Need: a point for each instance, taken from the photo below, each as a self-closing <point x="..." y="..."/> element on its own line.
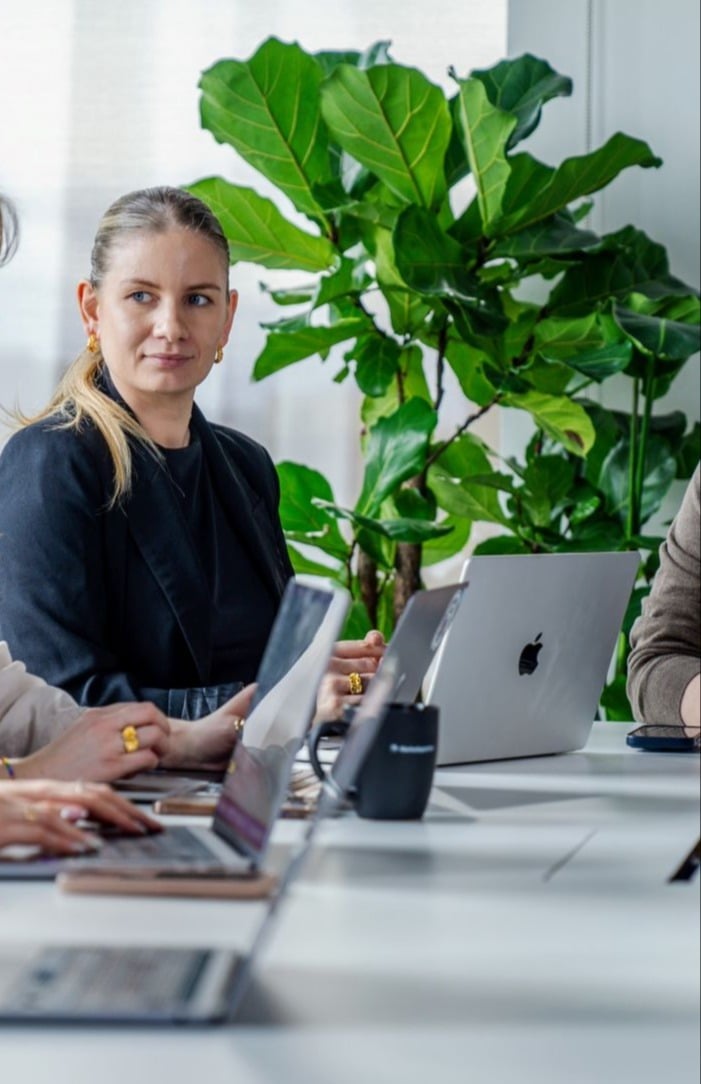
<point x="32" y="713"/>
<point x="666" y="638"/>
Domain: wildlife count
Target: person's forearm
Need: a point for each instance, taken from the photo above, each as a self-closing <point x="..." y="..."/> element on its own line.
<point x="690" y="710"/>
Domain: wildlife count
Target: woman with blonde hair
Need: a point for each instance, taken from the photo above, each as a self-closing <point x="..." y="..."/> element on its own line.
<point x="142" y="555"/>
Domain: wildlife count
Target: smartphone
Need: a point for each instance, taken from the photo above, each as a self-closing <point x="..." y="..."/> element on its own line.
<point x="661" y="738"/>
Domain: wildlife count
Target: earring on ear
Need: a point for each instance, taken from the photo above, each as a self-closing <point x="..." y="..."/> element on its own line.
<point x="218" y="355"/>
<point x="93" y="343"/>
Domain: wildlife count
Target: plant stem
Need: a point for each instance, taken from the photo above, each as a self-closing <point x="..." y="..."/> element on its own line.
<point x="643" y="438"/>
<point x="440" y="365"/>
<point x="407" y="563"/>
<point x="367" y="577"/>
<point x="632" y="518"/>
<point x="470" y="420"/>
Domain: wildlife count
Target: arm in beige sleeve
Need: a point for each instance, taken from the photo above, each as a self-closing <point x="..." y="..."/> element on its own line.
<point x="665" y="656"/>
<point x="32" y="713"/>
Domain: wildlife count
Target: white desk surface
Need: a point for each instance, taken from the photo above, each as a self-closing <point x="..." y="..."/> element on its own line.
<point x="523" y="931"/>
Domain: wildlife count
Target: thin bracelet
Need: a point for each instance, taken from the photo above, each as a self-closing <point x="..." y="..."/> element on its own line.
<point x="7" y="765"/>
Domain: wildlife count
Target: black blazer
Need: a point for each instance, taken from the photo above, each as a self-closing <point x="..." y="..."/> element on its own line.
<point x="112" y="604"/>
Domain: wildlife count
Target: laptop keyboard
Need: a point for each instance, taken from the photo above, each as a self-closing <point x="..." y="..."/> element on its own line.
<point x="94" y="981"/>
<point x="177" y="844"/>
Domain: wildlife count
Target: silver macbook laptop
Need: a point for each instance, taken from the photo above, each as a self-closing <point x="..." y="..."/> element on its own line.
<point x="130" y="984"/>
<point x="307" y="625"/>
<point x="522" y="668"/>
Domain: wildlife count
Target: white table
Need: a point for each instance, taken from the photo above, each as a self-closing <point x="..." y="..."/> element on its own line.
<point x="523" y="931"/>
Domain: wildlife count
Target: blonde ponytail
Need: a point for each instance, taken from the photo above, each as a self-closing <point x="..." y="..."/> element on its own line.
<point x="77" y="400"/>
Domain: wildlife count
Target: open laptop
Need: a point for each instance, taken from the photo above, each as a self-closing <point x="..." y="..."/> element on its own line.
<point x="138" y="984"/>
<point x="307" y="625"/>
<point x="522" y="668"/>
<point x="417" y="636"/>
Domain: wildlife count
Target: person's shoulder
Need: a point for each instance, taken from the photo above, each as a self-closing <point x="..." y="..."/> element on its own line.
<point x="53" y="431"/>
<point x="54" y="448"/>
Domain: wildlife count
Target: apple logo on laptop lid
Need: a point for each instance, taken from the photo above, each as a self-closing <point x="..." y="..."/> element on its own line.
<point x="529" y="656"/>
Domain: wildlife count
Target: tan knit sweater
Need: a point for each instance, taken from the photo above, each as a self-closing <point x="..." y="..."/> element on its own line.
<point x="666" y="638"/>
<point x="32" y="713"/>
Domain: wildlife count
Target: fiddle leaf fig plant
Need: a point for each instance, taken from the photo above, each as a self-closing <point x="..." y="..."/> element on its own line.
<point x="418" y="233"/>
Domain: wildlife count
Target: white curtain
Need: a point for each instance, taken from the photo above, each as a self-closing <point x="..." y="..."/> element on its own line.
<point x="99" y="97"/>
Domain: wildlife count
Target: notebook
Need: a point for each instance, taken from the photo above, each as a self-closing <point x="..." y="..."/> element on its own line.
<point x="130" y="984"/>
<point x="307" y="625"/>
<point x="522" y="668"/>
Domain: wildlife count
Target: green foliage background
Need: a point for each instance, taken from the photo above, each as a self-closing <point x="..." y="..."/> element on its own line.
<point x="412" y="280"/>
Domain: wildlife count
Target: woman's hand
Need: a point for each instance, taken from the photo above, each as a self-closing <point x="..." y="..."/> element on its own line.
<point x="42" y="813"/>
<point x="93" y="747"/>
<point x="360" y="657"/>
<point x="207" y="742"/>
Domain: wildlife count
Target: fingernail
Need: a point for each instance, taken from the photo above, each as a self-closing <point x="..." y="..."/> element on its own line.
<point x="73" y="812"/>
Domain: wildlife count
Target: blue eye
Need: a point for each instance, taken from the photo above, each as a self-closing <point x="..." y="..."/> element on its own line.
<point x="198" y="300"/>
<point x="140" y="296"/>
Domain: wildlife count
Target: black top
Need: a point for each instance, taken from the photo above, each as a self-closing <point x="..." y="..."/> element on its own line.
<point x="243" y="609"/>
<point x="151" y="599"/>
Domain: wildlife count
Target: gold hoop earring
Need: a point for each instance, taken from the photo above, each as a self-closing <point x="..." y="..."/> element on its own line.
<point x="218" y="355"/>
<point x="93" y="343"/>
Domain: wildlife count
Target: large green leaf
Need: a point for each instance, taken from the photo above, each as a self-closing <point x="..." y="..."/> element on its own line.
<point x="413" y="531"/>
<point x="267" y="108"/>
<point x="485" y="131"/>
<point x="555" y="236"/>
<point x="377" y="359"/>
<point x="614" y="701"/>
<point x="407" y="309"/>
<point x="548" y="480"/>
<point x="522" y="86"/>
<point x="535" y="191"/>
<point x="463" y="482"/>
<point x="347" y="281"/>
<point x="602" y="363"/>
<point x="441" y="549"/>
<point x="469" y="364"/>
<point x="412" y="379"/>
<point x="301" y="518"/>
<point x="628" y="262"/>
<point x="429" y="260"/>
<point x="283" y="348"/>
<point x="305" y="566"/>
<point x="500" y="545"/>
<point x="395" y="451"/>
<point x="565" y="336"/>
<point x="658" y="337"/>
<point x="258" y="233"/>
<point x="660" y="471"/>
<point x="355" y="179"/>
<point x="582" y="342"/>
<point x="564" y="420"/>
<point x="688" y="452"/>
<point x="395" y="122"/>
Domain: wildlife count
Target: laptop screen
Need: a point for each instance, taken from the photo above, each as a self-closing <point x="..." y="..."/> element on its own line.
<point x="296" y="655"/>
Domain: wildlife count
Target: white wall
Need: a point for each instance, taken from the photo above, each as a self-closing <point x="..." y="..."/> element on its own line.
<point x="635" y="66"/>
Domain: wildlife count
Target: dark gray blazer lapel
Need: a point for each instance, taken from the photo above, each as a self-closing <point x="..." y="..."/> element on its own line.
<point x="246" y="508"/>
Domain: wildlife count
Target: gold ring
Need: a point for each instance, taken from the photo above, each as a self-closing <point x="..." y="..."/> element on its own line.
<point x="130" y="739"/>
<point x="355" y="684"/>
<point x="30" y="813"/>
<point x="238" y="726"/>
